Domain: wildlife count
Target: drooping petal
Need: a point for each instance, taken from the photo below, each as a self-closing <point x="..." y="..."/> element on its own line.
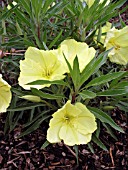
<point x="5" y="95"/>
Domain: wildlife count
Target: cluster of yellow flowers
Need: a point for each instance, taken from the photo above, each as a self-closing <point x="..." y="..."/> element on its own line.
<point x="51" y="65"/>
<point x="73" y="123"/>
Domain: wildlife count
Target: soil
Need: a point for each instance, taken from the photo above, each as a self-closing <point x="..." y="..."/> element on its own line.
<point x="26" y="153"/>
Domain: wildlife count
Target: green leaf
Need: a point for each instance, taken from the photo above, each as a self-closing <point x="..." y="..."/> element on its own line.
<point x="46" y="143"/>
<point x="110" y="131"/>
<point x="46" y="95"/>
<point x="34" y="126"/>
<point x="76" y="73"/>
<point x="41" y="82"/>
<point x="40" y="115"/>
<point x="93" y="66"/>
<point x="20" y="15"/>
<point x="122" y="84"/>
<point x="103" y="117"/>
<point x="98" y="142"/>
<point x="76" y="151"/>
<point x="55" y="40"/>
<point x="116" y="81"/>
<point x="86" y="94"/>
<point x="104" y="79"/>
<point x="46" y="5"/>
<point x="8" y="13"/>
<point x="113" y="92"/>
<point x="26" y="6"/>
<point x="91" y="147"/>
<point x="20" y="92"/>
<point x="25" y="107"/>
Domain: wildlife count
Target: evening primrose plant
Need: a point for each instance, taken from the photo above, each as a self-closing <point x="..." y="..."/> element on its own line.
<point x="65" y="78"/>
<point x="74" y="119"/>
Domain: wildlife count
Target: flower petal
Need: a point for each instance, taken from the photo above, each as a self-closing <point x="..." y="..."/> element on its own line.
<point x="40" y="65"/>
<point x="53" y="130"/>
<point x="5" y="95"/>
<point x="71" y="136"/>
<point x="72" y="48"/>
<point x="85" y="123"/>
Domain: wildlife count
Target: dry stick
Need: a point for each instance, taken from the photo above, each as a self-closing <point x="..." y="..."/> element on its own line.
<point x="110" y="152"/>
<point x="73" y="153"/>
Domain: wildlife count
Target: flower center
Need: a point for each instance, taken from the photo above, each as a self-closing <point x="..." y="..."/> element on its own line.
<point x="117" y="47"/>
<point x="47" y="73"/>
<point x="67" y="119"/>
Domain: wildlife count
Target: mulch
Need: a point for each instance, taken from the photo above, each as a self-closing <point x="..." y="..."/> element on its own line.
<point x="26" y="153"/>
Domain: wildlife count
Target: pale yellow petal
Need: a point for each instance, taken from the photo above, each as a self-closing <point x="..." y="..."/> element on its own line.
<point x="5" y="95"/>
<point x="40" y="65"/>
<point x="122" y="39"/>
<point x="72" y="48"/>
<point x="35" y="54"/>
<point x="53" y="130"/>
<point x="74" y="124"/>
<point x="120" y="56"/>
<point x="72" y="137"/>
<point x="85" y="122"/>
<point x="30" y="71"/>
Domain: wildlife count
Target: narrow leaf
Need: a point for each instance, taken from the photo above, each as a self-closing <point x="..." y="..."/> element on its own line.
<point x="46" y="143"/>
<point x="113" y="92"/>
<point x="93" y="66"/>
<point x="104" y="78"/>
<point x="98" y="142"/>
<point x="86" y="94"/>
<point x="41" y="82"/>
<point x="46" y="95"/>
<point x="103" y="117"/>
<point x="25" y="107"/>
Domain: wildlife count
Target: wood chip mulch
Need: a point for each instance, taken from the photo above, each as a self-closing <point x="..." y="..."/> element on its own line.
<point x="25" y="153"/>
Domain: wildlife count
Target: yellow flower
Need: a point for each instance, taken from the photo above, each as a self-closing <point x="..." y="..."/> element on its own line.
<point x="118" y="39"/>
<point x="39" y="65"/>
<point x="91" y="2"/>
<point x="5" y="95"/>
<point x="74" y="124"/>
<point x="31" y="98"/>
<point x="71" y="49"/>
